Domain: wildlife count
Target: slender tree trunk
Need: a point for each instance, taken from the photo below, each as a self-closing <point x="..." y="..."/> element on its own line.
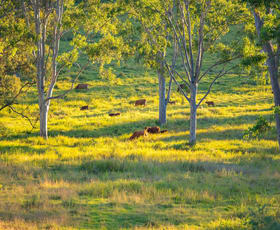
<point x="162" y="102"/>
<point x="44" y="109"/>
<point x="273" y="73"/>
<point x="273" y="66"/>
<point x="193" y="115"/>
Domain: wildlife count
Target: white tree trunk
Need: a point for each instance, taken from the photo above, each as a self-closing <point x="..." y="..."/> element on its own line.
<point x="44" y="109"/>
<point x="162" y="102"/>
<point x="193" y="115"/>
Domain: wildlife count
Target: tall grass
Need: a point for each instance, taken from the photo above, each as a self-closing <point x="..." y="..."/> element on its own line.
<point x="87" y="175"/>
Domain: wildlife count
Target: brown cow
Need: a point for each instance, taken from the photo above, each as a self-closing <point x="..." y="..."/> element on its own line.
<point x="154" y="129"/>
<point x="172" y="102"/>
<point x="84" y="107"/>
<point x="164" y="131"/>
<point x="140" y="102"/>
<point x="137" y="134"/>
<point x="114" y="114"/>
<point x="210" y="103"/>
<point x="82" y="86"/>
<point x="183" y="87"/>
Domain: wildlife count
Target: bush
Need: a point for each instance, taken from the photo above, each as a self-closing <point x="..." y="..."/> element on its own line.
<point x="9" y="87"/>
<point x="258" y="130"/>
<point x="260" y="218"/>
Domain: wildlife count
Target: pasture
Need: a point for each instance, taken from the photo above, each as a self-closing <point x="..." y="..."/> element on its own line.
<point x="87" y="175"/>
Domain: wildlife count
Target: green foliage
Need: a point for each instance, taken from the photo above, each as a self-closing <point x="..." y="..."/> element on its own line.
<point x="251" y="60"/>
<point x="258" y="130"/>
<point x="269" y="12"/>
<point x="261" y="219"/>
<point x="9" y="88"/>
<point x="277" y="110"/>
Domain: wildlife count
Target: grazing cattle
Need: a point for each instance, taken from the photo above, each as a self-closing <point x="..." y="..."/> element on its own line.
<point x="154" y="129"/>
<point x="82" y="86"/>
<point x="164" y="131"/>
<point x="84" y="107"/>
<point x="172" y="102"/>
<point x="137" y="134"/>
<point x="210" y="103"/>
<point x="140" y="102"/>
<point x="114" y="114"/>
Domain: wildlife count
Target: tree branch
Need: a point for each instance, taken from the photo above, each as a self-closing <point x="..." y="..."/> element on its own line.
<point x="22" y="115"/>
<point x="16" y="96"/>
<point x="72" y="86"/>
<point x="171" y="74"/>
<point x="185" y="55"/>
<point x="217" y="64"/>
<point x="174" y="58"/>
<point x="189" y="27"/>
<point x="221" y="74"/>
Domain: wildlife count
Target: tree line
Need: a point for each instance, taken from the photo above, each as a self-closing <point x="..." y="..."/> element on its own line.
<point x="173" y="37"/>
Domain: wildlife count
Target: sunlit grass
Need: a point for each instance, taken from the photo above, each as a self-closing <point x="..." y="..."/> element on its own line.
<point x="87" y="175"/>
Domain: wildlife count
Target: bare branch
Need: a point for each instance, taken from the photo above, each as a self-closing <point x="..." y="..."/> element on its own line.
<point x="72" y="86"/>
<point x="56" y="40"/>
<point x="185" y="82"/>
<point x="174" y="58"/>
<point x="185" y="55"/>
<point x="171" y="74"/>
<point x="221" y="74"/>
<point x="217" y="64"/>
<point x="22" y="115"/>
<point x="189" y="27"/>
<point x="201" y="40"/>
<point x="169" y="91"/>
<point x="17" y="95"/>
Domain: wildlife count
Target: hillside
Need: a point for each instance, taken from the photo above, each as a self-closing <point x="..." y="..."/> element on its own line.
<point x="87" y="175"/>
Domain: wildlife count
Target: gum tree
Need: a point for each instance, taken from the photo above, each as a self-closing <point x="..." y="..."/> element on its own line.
<point x="266" y="14"/>
<point x="199" y="28"/>
<point x="50" y="20"/>
<point x="151" y="41"/>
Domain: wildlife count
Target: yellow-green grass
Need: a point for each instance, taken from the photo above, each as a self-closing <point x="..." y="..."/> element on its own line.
<point x="87" y="175"/>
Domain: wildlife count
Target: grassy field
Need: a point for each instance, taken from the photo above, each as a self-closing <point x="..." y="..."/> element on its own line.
<point x="87" y="175"/>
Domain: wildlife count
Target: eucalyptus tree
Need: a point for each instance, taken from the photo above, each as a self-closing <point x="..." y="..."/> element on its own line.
<point x="16" y="60"/>
<point x="199" y="28"/>
<point x="46" y="19"/>
<point x="50" y="20"/>
<point x="150" y="43"/>
<point x="266" y="14"/>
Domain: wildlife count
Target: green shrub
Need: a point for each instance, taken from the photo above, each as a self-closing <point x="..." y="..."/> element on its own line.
<point x="9" y="87"/>
<point x="259" y="129"/>
<point x="260" y="219"/>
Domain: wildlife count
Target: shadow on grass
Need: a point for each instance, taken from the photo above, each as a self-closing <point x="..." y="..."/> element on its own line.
<point x="11" y="149"/>
<point x="228" y="134"/>
<point x="173" y="125"/>
<point x="100" y="182"/>
<point x="129" y="216"/>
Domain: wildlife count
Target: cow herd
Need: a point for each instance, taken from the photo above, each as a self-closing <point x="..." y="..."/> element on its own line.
<point x="146" y="131"/>
<point x="140" y="102"/>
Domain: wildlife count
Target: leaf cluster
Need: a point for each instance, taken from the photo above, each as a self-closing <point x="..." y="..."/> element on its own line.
<point x="9" y="87"/>
<point x="259" y="129"/>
